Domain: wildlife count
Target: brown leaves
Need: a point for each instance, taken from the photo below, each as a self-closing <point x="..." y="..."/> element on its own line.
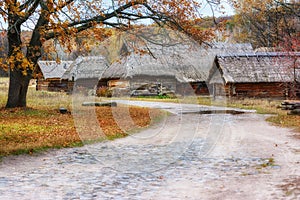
<point x="26" y="130"/>
<point x="23" y="132"/>
<point x="122" y="119"/>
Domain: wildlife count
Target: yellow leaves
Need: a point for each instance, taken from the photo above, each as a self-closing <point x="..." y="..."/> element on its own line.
<point x="58" y="61"/>
<point x="50" y="6"/>
<point x="19" y="55"/>
<point x="180" y="10"/>
<point x="3" y="65"/>
<point x="45" y="127"/>
<point x="22" y="14"/>
<point x="18" y="60"/>
<point x="13" y="8"/>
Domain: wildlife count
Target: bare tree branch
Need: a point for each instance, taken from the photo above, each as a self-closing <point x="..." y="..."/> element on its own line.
<point x="88" y="23"/>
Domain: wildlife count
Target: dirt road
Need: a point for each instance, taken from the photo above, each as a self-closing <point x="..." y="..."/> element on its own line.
<point x="187" y="156"/>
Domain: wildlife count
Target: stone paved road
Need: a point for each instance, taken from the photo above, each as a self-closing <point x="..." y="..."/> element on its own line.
<point x="187" y="156"/>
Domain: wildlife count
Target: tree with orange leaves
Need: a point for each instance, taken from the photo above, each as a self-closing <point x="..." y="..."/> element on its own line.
<point x="267" y="23"/>
<point x="64" y="19"/>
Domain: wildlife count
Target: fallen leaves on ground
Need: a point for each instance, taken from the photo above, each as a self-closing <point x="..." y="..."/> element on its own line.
<point x="29" y="130"/>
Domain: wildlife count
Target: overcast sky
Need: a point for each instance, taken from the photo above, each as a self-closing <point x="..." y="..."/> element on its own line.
<point x="226" y="11"/>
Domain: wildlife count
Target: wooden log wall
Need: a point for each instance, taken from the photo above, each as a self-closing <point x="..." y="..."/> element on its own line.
<point x="88" y="83"/>
<point x="260" y="90"/>
<point x="54" y="85"/>
<point x="200" y="88"/>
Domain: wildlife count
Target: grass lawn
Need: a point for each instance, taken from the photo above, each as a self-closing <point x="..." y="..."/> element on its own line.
<point x="41" y="126"/>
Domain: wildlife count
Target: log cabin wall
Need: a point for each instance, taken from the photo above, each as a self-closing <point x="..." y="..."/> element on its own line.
<point x="218" y="89"/>
<point x="42" y="84"/>
<point x="102" y="83"/>
<point x="259" y="90"/>
<point x="88" y="83"/>
<point x="54" y="85"/>
<point x="200" y="88"/>
<point x="50" y="76"/>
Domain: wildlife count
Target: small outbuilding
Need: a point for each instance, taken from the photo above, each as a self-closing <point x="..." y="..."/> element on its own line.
<point x="268" y="75"/>
<point x="51" y="75"/>
<point x="86" y="71"/>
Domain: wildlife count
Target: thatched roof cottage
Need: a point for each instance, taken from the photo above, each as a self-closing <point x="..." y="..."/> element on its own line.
<point x="52" y="73"/>
<point x="86" y="71"/>
<point x="268" y="74"/>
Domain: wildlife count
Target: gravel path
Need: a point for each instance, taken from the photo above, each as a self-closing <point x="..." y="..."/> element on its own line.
<point x="186" y="156"/>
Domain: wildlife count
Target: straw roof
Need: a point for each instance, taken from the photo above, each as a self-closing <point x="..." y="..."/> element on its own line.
<point x="258" y="67"/>
<point x="230" y="48"/>
<point x="52" y="69"/>
<point x="160" y="61"/>
<point x="185" y="61"/>
<point x="89" y="67"/>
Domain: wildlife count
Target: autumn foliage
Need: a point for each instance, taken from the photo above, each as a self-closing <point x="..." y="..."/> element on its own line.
<point x="63" y="20"/>
<point x="267" y="23"/>
<point x="30" y="130"/>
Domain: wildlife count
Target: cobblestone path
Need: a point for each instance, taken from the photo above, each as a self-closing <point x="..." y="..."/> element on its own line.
<point x="219" y="156"/>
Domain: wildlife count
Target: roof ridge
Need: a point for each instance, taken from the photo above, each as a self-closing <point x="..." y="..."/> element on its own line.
<point x="259" y="54"/>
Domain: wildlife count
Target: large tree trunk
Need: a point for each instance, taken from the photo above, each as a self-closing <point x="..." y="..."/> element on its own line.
<point x="17" y="84"/>
<point x="18" y="87"/>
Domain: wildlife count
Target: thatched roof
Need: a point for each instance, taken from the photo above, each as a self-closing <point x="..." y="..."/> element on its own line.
<point x="258" y="67"/>
<point x="230" y="48"/>
<point x="187" y="62"/>
<point x="165" y="53"/>
<point x="89" y="67"/>
<point x="161" y="61"/>
<point x="53" y="69"/>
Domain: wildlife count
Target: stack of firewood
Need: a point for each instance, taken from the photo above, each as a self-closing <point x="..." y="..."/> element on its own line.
<point x="293" y="106"/>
